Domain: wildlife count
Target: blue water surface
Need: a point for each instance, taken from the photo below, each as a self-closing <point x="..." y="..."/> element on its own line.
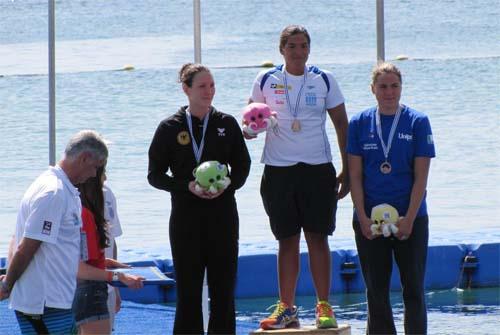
<point x="451" y="74"/>
<point x="450" y="312"/>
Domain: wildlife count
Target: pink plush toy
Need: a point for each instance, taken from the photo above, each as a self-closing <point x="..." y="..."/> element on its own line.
<point x="258" y="117"/>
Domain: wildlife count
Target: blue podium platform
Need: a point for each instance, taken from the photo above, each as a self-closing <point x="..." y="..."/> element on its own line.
<point x="448" y="266"/>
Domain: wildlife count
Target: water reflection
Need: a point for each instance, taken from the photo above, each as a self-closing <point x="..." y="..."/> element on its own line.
<point x="446" y="309"/>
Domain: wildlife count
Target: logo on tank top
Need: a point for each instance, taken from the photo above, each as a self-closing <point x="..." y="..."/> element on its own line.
<point x="370" y="146"/>
<point x="77" y="218"/>
<point x="183" y="138"/>
<point x="407" y="137"/>
<point x="311" y="99"/>
<point x="221" y="131"/>
<point x="111" y="212"/>
<point x="47" y="227"/>
<point x="279" y="86"/>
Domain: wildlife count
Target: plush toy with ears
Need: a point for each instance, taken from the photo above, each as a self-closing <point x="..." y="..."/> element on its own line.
<point x="384" y="217"/>
<point x="211" y="176"/>
<point x="258" y="117"/>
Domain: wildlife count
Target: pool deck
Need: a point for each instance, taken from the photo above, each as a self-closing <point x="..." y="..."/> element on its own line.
<point x="131" y="320"/>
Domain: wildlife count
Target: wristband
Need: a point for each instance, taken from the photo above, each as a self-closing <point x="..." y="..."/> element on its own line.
<point x="113" y="276"/>
<point x="4" y="287"/>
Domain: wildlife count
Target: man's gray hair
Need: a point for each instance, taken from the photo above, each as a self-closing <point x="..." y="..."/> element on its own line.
<point x="87" y="141"/>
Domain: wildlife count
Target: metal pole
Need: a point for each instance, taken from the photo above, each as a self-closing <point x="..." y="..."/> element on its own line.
<point x="52" y="85"/>
<point x="380" y="32"/>
<point x="197" y="31"/>
<point x="197" y="59"/>
<point x="204" y="302"/>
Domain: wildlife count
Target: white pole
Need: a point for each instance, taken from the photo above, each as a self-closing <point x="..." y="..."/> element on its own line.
<point x="204" y="302"/>
<point x="52" y="85"/>
<point x="197" y="59"/>
<point x="197" y="31"/>
<point x="380" y="32"/>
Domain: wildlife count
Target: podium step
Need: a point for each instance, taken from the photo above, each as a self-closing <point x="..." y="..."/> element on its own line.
<point x="343" y="329"/>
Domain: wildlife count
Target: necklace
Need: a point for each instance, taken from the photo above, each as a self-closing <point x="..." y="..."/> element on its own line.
<point x="296" y="123"/>
<point x="386" y="167"/>
<point x="197" y="150"/>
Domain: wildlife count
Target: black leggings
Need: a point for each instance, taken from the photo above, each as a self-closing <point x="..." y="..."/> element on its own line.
<point x="204" y="234"/>
<point x="376" y="263"/>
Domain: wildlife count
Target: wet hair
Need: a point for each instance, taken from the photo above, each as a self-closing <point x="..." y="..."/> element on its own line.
<point x="87" y="141"/>
<point x="383" y="68"/>
<point x="188" y="71"/>
<point x="293" y="30"/>
<point x="92" y="198"/>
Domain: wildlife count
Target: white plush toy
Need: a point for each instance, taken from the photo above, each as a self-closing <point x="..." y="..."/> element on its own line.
<point x="385" y="217"/>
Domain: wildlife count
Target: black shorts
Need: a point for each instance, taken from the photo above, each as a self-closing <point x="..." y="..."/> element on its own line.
<point x="298" y="197"/>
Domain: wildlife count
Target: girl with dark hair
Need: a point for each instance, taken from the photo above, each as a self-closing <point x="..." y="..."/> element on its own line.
<point x="90" y="304"/>
<point x="303" y="96"/>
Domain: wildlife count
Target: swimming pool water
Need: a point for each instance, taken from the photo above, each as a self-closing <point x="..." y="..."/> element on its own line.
<point x="450" y="312"/>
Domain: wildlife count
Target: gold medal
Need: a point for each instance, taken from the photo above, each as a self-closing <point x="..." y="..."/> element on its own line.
<point x="296" y="125"/>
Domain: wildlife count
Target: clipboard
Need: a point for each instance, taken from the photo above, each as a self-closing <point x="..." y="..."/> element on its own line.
<point x="152" y="275"/>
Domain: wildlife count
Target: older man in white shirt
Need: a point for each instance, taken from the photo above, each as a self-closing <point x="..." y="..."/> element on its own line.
<point x="41" y="277"/>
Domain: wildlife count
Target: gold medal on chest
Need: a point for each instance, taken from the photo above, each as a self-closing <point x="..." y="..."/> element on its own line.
<point x="296" y="125"/>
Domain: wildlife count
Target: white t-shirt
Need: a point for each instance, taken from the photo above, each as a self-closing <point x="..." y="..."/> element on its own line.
<point x="111" y="216"/>
<point x="309" y="145"/>
<point x="50" y="212"/>
<point x="115" y="230"/>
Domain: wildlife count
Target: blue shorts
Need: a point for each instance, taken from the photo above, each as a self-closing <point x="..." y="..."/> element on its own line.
<point x="90" y="303"/>
<point x="52" y="321"/>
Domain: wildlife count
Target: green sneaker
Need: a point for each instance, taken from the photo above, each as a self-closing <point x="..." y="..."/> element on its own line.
<point x="325" y="318"/>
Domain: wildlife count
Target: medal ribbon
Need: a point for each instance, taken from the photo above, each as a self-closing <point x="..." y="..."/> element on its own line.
<point x="197" y="150"/>
<point x="296" y="110"/>
<point x="387" y="148"/>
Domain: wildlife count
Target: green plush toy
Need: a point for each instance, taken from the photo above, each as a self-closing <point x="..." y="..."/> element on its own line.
<point x="385" y="217"/>
<point x="211" y="176"/>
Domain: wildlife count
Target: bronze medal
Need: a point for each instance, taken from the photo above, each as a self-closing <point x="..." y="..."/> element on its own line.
<point x="385" y="167"/>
